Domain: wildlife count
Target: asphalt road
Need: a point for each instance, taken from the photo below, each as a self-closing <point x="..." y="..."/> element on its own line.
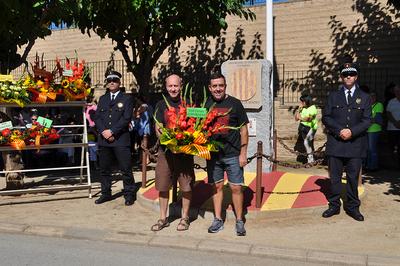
<point x="36" y="250"/>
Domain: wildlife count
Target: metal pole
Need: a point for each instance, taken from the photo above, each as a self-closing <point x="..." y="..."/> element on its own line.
<point x="86" y="152"/>
<point x="259" y="174"/>
<point x="269" y="51"/>
<point x="274" y="141"/>
<point x="144" y="161"/>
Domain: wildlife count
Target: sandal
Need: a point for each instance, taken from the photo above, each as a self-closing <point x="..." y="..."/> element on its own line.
<point x="160" y="225"/>
<point x="183" y="224"/>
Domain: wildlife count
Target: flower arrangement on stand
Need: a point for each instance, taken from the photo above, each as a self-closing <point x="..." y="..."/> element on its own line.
<point x="36" y="135"/>
<point x="39" y="135"/>
<point x="69" y="83"/>
<point x="191" y="134"/>
<point x="13" y="137"/>
<point x="41" y="84"/>
<point x="74" y="80"/>
<point x="14" y="92"/>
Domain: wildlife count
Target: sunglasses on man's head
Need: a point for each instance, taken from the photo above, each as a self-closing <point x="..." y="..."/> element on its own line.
<point x="349" y="74"/>
<point x="109" y="80"/>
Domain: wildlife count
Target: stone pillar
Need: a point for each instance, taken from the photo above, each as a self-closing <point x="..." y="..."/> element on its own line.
<point x="249" y="81"/>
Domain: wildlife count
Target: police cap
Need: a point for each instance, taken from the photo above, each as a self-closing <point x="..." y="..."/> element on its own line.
<point x="348" y="68"/>
<point x="113" y="75"/>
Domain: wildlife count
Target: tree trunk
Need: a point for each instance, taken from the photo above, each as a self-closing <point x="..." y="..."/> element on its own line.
<point x="13" y="161"/>
<point x="143" y="78"/>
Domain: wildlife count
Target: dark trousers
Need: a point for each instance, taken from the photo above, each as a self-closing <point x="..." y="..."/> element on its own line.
<point x="353" y="166"/>
<point x="109" y="157"/>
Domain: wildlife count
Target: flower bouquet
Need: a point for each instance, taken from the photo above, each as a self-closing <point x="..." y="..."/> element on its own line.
<point x="39" y="135"/>
<point x="12" y="137"/>
<point x="41" y="83"/>
<point x="14" y="92"/>
<point x="188" y="128"/>
<point x="74" y="81"/>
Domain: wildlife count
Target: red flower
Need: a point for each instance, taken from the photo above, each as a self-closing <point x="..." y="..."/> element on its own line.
<point x="6" y="132"/>
<point x="183" y="124"/>
<point x="179" y="136"/>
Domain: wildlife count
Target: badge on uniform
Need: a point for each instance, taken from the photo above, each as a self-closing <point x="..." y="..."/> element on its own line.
<point x="358" y="100"/>
<point x="120" y="105"/>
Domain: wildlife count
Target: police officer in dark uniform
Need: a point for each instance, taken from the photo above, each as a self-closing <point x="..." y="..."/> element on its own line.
<point x="347" y="116"/>
<point x="113" y="115"/>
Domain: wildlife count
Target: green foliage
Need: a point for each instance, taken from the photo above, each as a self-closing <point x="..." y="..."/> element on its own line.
<point x="143" y="29"/>
<point x="22" y="22"/>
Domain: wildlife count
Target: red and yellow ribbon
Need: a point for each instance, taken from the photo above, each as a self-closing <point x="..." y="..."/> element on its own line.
<point x="18" y="144"/>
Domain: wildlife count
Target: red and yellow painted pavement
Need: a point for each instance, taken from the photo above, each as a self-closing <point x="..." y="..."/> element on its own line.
<point x="281" y="190"/>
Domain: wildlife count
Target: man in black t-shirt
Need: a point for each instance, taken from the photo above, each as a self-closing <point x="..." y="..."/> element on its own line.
<point x="172" y="165"/>
<point x="232" y="157"/>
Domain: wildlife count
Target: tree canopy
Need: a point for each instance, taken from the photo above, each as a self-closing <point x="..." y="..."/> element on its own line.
<point x="395" y="3"/>
<point x="23" y="21"/>
<point x="143" y="29"/>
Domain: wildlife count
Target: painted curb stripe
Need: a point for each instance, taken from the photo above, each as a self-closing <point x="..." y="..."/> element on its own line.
<point x="269" y="181"/>
<point x="287" y="183"/>
<point x="313" y="198"/>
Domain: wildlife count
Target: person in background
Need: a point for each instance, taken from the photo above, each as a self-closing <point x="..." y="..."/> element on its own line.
<point x="67" y="136"/>
<point x="34" y="118"/>
<point x="142" y="117"/>
<point x="307" y="115"/>
<point x="393" y="116"/>
<point x="91" y="132"/>
<point x="374" y="131"/>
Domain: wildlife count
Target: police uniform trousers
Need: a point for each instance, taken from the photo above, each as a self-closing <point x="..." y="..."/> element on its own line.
<point x="110" y="157"/>
<point x="353" y="167"/>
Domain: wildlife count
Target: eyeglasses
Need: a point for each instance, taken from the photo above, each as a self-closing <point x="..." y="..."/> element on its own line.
<point x="349" y="74"/>
<point x="33" y="119"/>
<point x="112" y="80"/>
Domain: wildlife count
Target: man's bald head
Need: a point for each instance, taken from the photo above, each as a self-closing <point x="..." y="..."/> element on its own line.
<point x="173" y="84"/>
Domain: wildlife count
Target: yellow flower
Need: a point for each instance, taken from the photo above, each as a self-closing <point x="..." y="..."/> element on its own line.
<point x="40" y="83"/>
<point x="65" y="83"/>
<point x="196" y="133"/>
<point x="79" y="83"/>
<point x="27" y="81"/>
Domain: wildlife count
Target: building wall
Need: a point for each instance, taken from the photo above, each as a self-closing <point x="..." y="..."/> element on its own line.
<point x="300" y="27"/>
<point x="303" y="26"/>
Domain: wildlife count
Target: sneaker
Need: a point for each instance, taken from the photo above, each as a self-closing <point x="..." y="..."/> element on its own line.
<point x="240" y="231"/>
<point x="216" y="226"/>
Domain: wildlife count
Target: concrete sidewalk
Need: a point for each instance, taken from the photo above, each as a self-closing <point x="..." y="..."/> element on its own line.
<point x="299" y="234"/>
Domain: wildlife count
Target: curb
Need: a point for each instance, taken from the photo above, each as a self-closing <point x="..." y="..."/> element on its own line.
<point x="153" y="240"/>
<point x="175" y="210"/>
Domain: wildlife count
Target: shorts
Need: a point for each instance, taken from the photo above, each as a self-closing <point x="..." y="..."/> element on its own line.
<point x="217" y="167"/>
<point x="171" y="165"/>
